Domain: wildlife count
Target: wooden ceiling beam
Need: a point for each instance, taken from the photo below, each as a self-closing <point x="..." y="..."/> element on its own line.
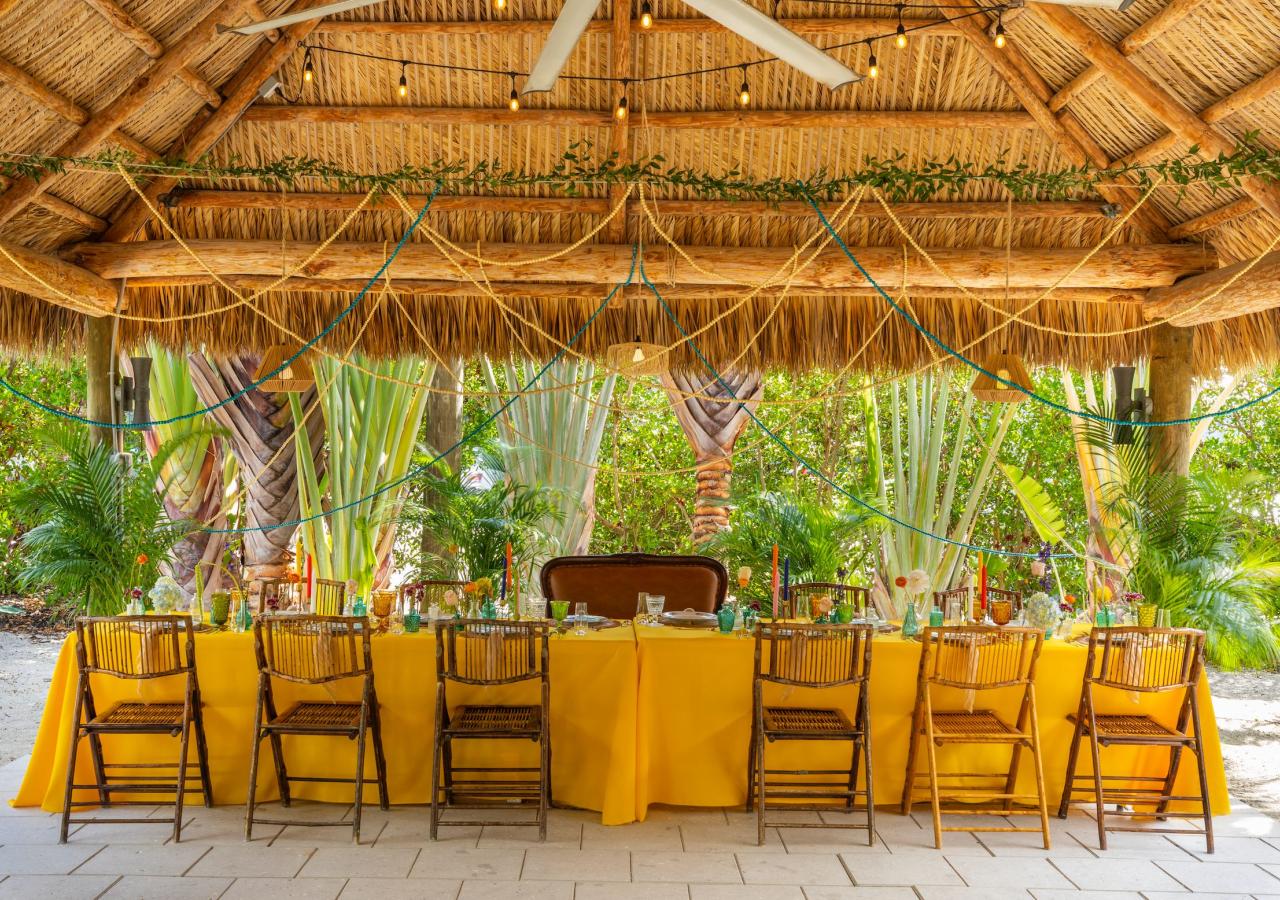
<point x="280" y="113"/>
<point x="1254" y="291"/>
<point x="1066" y="133"/>
<point x="1121" y="266"/>
<point x="317" y="202"/>
<point x="855" y="28"/>
<point x="1229" y="105"/>
<point x="60" y="207"/>
<point x="620" y="132"/>
<point x="1153" y="96"/>
<point x="562" y="290"/>
<point x="102" y="124"/>
<point x="1144" y="34"/>
<point x="130" y="30"/>
<point x="34" y="270"/>
<point x="241" y="93"/>
<point x="1213" y="218"/>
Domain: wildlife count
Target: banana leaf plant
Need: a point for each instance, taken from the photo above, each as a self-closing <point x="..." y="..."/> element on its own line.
<point x="371" y="429"/>
<point x="198" y="476"/>
<point x="553" y="439"/>
<point x="939" y="467"/>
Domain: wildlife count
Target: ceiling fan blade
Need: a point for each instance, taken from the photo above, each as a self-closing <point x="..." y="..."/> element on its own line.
<point x="748" y="22"/>
<point x="570" y="24"/>
<point x="314" y="12"/>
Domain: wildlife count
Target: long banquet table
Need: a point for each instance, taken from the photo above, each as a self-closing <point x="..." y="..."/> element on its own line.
<point x="639" y="716"/>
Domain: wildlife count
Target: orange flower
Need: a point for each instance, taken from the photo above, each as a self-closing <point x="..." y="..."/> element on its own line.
<point x="900" y="581"/>
<point x="469" y="588"/>
<point x="142" y="559"/>
<point x="294" y="578"/>
<point x="824" y="605"/>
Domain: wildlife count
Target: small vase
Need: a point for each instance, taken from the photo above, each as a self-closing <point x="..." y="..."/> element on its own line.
<point x="910" y="624"/>
<point x="724" y="616"/>
<point x="935" y="618"/>
<point x="358" y="608"/>
<point x="412" y="620"/>
<point x="1147" y="615"/>
<point x="244" y="616"/>
<point x="488" y="610"/>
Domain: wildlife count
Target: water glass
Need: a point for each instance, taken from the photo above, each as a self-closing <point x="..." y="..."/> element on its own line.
<point x="580" y="618"/>
<point x="535" y="608"/>
<point x="653" y="605"/>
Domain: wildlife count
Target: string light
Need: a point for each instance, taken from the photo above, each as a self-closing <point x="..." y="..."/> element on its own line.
<point x="901" y="32"/>
<point x="308" y="70"/>
<point x="873" y="67"/>
<point x="499" y="5"/>
<point x="744" y="92"/>
<point x="620" y="111"/>
<point x="513" y="101"/>
<point x="404" y="79"/>
<point x="646" y="14"/>
<point x="1000" y="39"/>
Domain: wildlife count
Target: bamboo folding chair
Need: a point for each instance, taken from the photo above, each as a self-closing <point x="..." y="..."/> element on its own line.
<point x="330" y="597"/>
<point x="800" y="597"/>
<point x="136" y="648"/>
<point x="1140" y="661"/>
<point x="278" y="595"/>
<point x="943" y="599"/>
<point x="811" y="656"/>
<point x="315" y="650"/>
<point x="488" y="654"/>
<point x="974" y="658"/>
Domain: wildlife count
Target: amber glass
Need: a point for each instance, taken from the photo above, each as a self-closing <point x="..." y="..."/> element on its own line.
<point x="1001" y="611"/>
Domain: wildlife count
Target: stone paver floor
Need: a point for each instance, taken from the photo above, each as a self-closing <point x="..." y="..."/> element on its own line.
<point x="677" y="854"/>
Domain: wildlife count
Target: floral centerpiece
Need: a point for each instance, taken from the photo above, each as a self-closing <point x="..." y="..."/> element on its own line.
<point x="1041" y="611"/>
<point x="166" y="596"/>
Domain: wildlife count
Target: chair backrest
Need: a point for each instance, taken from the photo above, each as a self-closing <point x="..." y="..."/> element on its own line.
<point x="979" y="657"/>
<point x="330" y="596"/>
<point x="1145" y="659"/>
<point x="135" y="646"/>
<point x="942" y="599"/>
<point x="813" y="655"/>
<point x="802" y="595"/>
<point x="312" y="649"/>
<point x="491" y="652"/>
<point x="286" y="594"/>
<point x="609" y="585"/>
<point x="1014" y="597"/>
<point x="427" y="593"/>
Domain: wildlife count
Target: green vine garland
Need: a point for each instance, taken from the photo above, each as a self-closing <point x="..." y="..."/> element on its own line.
<point x="578" y="169"/>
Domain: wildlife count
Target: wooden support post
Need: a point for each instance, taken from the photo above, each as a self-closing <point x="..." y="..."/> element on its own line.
<point x="97" y="365"/>
<point x="1171" y="397"/>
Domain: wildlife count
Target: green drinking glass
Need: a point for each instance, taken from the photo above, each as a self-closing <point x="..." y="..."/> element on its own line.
<point x="559" y="610"/>
<point x="844" y="613"/>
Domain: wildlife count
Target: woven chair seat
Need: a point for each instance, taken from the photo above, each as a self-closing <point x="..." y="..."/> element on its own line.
<point x="159" y="715"/>
<point x="1131" y="728"/>
<point x="498" y="720"/>
<point x="980" y="724"/>
<point x="806" y="721"/>
<point x="311" y="716"/>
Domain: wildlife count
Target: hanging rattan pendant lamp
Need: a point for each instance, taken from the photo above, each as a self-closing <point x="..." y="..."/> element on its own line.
<point x="635" y="359"/>
<point x="1007" y="366"/>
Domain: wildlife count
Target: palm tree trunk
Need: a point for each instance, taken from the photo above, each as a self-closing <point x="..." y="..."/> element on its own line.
<point x="260" y="426"/>
<point x="712" y="429"/>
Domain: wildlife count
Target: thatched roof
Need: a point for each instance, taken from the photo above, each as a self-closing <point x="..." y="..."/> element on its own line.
<point x="1201" y="51"/>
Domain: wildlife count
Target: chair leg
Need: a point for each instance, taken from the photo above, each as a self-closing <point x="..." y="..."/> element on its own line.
<point x="99" y="768"/>
<point x="1175" y="761"/>
<point x="751" y="766"/>
<point x="868" y="774"/>
<point x="1011" y="780"/>
<point x="1099" y="807"/>
<point x="913" y="750"/>
<point x="180" y="795"/>
<point x="202" y="757"/>
<point x="934" y="801"/>
<point x="853" y="775"/>
<point x="1038" y="761"/>
<point x="71" y="763"/>
<point x="380" y="761"/>
<point x="252" y="799"/>
<point x="762" y="798"/>
<point x="544" y="788"/>
<point x="1073" y="757"/>
<point x="1198" y="749"/>
<point x="361" y="735"/>
<point x="282" y="773"/>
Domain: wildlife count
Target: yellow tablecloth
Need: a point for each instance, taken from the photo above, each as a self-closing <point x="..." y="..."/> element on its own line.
<point x="694" y="711"/>
<point x="593" y="692"/>
<point x="654" y="715"/>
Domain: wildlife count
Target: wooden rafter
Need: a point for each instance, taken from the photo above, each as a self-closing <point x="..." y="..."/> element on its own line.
<point x="1213" y="219"/>
<point x="135" y="34"/>
<point x="242" y="90"/>
<point x="1122" y="266"/>
<point x="620" y="132"/>
<point x="852" y="27"/>
<point x="977" y="209"/>
<point x="101" y="125"/>
<point x="60" y="207"/>
<point x="1153" y="96"/>
<point x="1144" y="34"/>
<point x="280" y="113"/>
<point x="1069" y="136"/>
<point x="36" y="273"/>
<point x="1252" y="291"/>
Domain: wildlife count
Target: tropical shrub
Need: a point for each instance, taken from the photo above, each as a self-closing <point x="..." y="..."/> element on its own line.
<point x="102" y="524"/>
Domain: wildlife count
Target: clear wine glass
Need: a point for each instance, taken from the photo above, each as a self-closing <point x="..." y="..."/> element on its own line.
<point x="653" y="604"/>
<point x="580" y="618"/>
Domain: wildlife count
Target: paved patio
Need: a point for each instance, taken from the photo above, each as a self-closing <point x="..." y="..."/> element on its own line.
<point x="675" y="855"/>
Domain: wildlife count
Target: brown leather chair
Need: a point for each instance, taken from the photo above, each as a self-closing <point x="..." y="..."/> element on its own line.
<point x="609" y="585"/>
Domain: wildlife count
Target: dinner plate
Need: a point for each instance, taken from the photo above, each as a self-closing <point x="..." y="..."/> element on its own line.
<point x="588" y="619"/>
<point x="688" y="618"/>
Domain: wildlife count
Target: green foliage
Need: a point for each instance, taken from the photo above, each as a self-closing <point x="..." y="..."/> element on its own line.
<point x="475" y="515"/>
<point x="102" y="527"/>
<point x="818" y="538"/>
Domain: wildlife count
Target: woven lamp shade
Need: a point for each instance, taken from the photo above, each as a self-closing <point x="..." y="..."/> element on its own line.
<point x="636" y="358"/>
<point x="1009" y="367"/>
<point x="292" y="379"/>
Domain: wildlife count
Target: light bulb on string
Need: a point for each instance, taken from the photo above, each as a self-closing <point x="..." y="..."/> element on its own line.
<point x="744" y="92"/>
<point x="513" y="101"/>
<point x="1000" y="39"/>
<point x="646" y="14"/>
<point x="499" y="5"/>
<point x="901" y="32"/>
<point x="620" y="111"/>
<point x="308" y="70"/>
<point x="873" y="67"/>
<point x="404" y="79"/>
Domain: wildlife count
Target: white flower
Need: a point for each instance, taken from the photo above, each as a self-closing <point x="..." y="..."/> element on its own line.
<point x="918" y="581"/>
